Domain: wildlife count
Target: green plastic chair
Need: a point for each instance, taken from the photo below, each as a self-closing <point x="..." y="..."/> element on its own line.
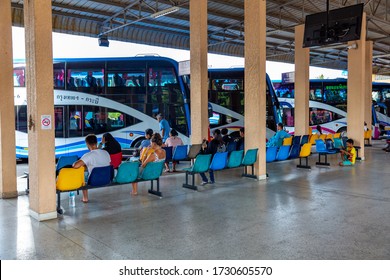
<point x="235" y="159"/>
<point x="127" y="172"/>
<point x="151" y="172"/>
<point x="249" y="160"/>
<point x="202" y="164"/>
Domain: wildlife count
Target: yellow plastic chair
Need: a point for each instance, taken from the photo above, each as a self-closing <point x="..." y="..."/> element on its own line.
<point x="337" y="135"/>
<point x="323" y="137"/>
<point x="367" y="137"/>
<point x="313" y="138"/>
<point x="305" y="153"/>
<point x="68" y="179"/>
<point x="287" y="141"/>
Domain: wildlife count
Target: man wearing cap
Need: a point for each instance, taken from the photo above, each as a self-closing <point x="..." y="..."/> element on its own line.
<point x="164" y="127"/>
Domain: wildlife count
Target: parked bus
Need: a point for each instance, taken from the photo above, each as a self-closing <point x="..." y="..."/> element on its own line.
<point x="328" y="104"/>
<point x="122" y="96"/>
<point x="226" y="97"/>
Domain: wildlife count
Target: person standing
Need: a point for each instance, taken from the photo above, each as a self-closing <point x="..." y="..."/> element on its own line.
<point x="164" y="126"/>
<point x="94" y="158"/>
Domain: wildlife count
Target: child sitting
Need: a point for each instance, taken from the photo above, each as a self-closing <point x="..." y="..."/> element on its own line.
<point x="348" y="155"/>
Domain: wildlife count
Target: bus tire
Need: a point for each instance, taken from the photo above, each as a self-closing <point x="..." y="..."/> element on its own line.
<point x="137" y="142"/>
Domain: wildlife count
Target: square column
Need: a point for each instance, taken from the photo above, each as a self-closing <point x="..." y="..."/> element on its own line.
<point x="198" y="70"/>
<point x="302" y="86"/>
<point x="8" y="187"/>
<point x="357" y="89"/>
<point x="368" y="91"/>
<point x="255" y="81"/>
<point x="40" y="108"/>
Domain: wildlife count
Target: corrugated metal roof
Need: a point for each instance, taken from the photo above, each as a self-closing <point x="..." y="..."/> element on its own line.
<point x="130" y="21"/>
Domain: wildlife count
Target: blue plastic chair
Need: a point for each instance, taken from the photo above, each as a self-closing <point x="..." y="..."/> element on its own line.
<point x="323" y="151"/>
<point x="296" y="140"/>
<point x="249" y="159"/>
<point x="201" y="164"/>
<point x="295" y="150"/>
<point x="100" y="176"/>
<point x="219" y="161"/>
<point x="127" y="172"/>
<point x="168" y="153"/>
<point x="270" y="155"/>
<point x="338" y="143"/>
<point x="180" y="153"/>
<point x="283" y="153"/>
<point x="304" y="139"/>
<point x="235" y="159"/>
<point x="231" y="146"/>
<point x="65" y="161"/>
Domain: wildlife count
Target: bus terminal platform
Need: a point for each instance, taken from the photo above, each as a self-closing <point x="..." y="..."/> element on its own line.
<point x="331" y="213"/>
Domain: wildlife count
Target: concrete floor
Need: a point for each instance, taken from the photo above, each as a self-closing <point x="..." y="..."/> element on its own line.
<point x="322" y="213"/>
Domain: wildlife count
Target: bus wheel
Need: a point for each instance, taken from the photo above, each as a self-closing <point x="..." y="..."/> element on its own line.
<point x="137" y="143"/>
<point x="343" y="132"/>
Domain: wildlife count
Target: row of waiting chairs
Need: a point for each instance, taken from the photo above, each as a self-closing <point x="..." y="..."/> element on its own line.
<point x="219" y="161"/>
<point x="72" y="179"/>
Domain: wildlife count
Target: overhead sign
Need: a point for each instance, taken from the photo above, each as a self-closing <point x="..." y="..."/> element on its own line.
<point x="45" y="121"/>
<point x="288" y="77"/>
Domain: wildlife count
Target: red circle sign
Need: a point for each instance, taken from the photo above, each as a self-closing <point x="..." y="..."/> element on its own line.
<point x="45" y="122"/>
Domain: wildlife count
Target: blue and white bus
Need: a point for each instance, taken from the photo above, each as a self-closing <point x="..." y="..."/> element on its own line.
<point x="226" y="98"/>
<point x="328" y="104"/>
<point x="122" y="96"/>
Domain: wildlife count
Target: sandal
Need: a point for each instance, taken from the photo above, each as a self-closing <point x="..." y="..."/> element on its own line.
<point x="134" y="193"/>
<point x="167" y="170"/>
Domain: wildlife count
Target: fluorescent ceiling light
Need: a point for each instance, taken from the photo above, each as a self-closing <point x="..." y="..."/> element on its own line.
<point x="165" y="12"/>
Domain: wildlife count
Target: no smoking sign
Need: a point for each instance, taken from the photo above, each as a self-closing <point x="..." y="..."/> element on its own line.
<point x="45" y="121"/>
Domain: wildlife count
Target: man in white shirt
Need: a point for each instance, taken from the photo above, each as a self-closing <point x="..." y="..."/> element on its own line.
<point x="92" y="159"/>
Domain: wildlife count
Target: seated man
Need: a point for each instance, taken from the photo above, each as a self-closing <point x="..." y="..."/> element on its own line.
<point x="92" y="159"/>
<point x="277" y="139"/>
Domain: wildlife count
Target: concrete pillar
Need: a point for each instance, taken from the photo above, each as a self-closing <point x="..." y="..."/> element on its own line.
<point x="357" y="89"/>
<point x="198" y="70"/>
<point x="40" y="108"/>
<point x="255" y="81"/>
<point x="302" y="86"/>
<point x="368" y="91"/>
<point x="7" y="121"/>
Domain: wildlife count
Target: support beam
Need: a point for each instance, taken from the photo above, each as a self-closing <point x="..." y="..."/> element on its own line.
<point x="40" y="106"/>
<point x="255" y="81"/>
<point x="357" y="89"/>
<point x="368" y="83"/>
<point x="302" y="86"/>
<point x="198" y="70"/>
<point x="8" y="188"/>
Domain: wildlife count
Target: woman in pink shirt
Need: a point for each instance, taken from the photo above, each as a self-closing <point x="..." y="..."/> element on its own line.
<point x="173" y="141"/>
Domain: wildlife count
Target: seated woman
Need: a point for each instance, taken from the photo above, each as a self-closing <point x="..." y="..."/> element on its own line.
<point x="155" y="153"/>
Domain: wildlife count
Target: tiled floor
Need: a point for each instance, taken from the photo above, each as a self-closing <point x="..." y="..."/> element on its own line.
<point x="322" y="213"/>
